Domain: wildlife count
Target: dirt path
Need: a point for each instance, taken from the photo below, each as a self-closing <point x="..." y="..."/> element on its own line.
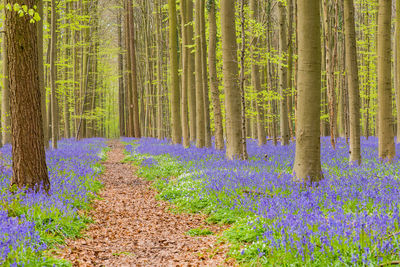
<point x="131" y="228"/>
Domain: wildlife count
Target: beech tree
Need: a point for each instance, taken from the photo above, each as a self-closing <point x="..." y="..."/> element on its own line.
<point x="29" y="162"/>
<point x="385" y="120"/>
<point x="307" y="164"/>
<point x="230" y="80"/>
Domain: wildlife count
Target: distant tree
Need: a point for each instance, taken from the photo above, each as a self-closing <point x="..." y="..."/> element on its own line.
<point x="385" y="120"/>
<point x="230" y="80"/>
<point x="307" y="164"/>
<point x="29" y="162"/>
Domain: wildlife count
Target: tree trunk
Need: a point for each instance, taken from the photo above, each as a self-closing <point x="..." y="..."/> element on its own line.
<point x="200" y="129"/>
<point x="206" y="97"/>
<point x="307" y="165"/>
<point x="219" y="135"/>
<point x="385" y="121"/>
<point x="230" y="80"/>
<point x="28" y="154"/>
<point x="53" y="76"/>
<point x="255" y="77"/>
<point x="283" y="77"/>
<point x="121" y="93"/>
<point x="135" y="103"/>
<point x="41" y="74"/>
<point x="352" y="76"/>
<point x="185" y="74"/>
<point x="173" y="55"/>
<point x="191" y="74"/>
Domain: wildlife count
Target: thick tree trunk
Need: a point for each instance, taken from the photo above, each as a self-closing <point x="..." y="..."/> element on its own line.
<point x="219" y="136"/>
<point x="352" y="76"/>
<point x="230" y="80"/>
<point x="29" y="162"/>
<point x="173" y="55"/>
<point x="307" y="165"/>
<point x="385" y="121"/>
<point x="135" y="103"/>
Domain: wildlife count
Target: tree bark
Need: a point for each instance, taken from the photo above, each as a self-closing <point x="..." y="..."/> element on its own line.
<point x="28" y="154"/>
<point x="185" y="74"/>
<point x="200" y="124"/>
<point x="255" y="76"/>
<point x="352" y="76"/>
<point x="283" y="76"/>
<point x="173" y="55"/>
<point x="385" y="121"/>
<point x="212" y="48"/>
<point x="191" y="74"/>
<point x="307" y="165"/>
<point x="230" y="80"/>
<point x="53" y="76"/>
<point x="135" y="103"/>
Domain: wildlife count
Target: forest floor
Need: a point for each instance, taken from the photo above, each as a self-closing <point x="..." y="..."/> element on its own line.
<point x="132" y="228"/>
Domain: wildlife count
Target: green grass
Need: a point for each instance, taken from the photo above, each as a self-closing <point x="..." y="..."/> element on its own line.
<point x="199" y="232"/>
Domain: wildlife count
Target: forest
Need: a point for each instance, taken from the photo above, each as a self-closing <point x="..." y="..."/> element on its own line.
<point x="200" y="133"/>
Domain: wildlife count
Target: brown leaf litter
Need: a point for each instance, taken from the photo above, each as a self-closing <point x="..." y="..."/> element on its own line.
<point x="132" y="228"/>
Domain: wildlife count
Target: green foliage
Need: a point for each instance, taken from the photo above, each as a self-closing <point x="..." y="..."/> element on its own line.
<point x="24" y="10"/>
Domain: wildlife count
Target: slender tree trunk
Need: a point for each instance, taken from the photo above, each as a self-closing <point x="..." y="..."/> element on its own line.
<point x="255" y="76"/>
<point x="283" y="77"/>
<point x="352" y="76"/>
<point x="200" y="129"/>
<point x="53" y="75"/>
<point x="185" y="74"/>
<point x="29" y="162"/>
<point x="242" y="80"/>
<point x="121" y="93"/>
<point x="173" y="55"/>
<point x="230" y="80"/>
<point x="191" y="74"/>
<point x="212" y="48"/>
<point x="41" y="74"/>
<point x="385" y="121"/>
<point x="307" y="165"/>
<point x="159" y="73"/>
<point x="206" y="97"/>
